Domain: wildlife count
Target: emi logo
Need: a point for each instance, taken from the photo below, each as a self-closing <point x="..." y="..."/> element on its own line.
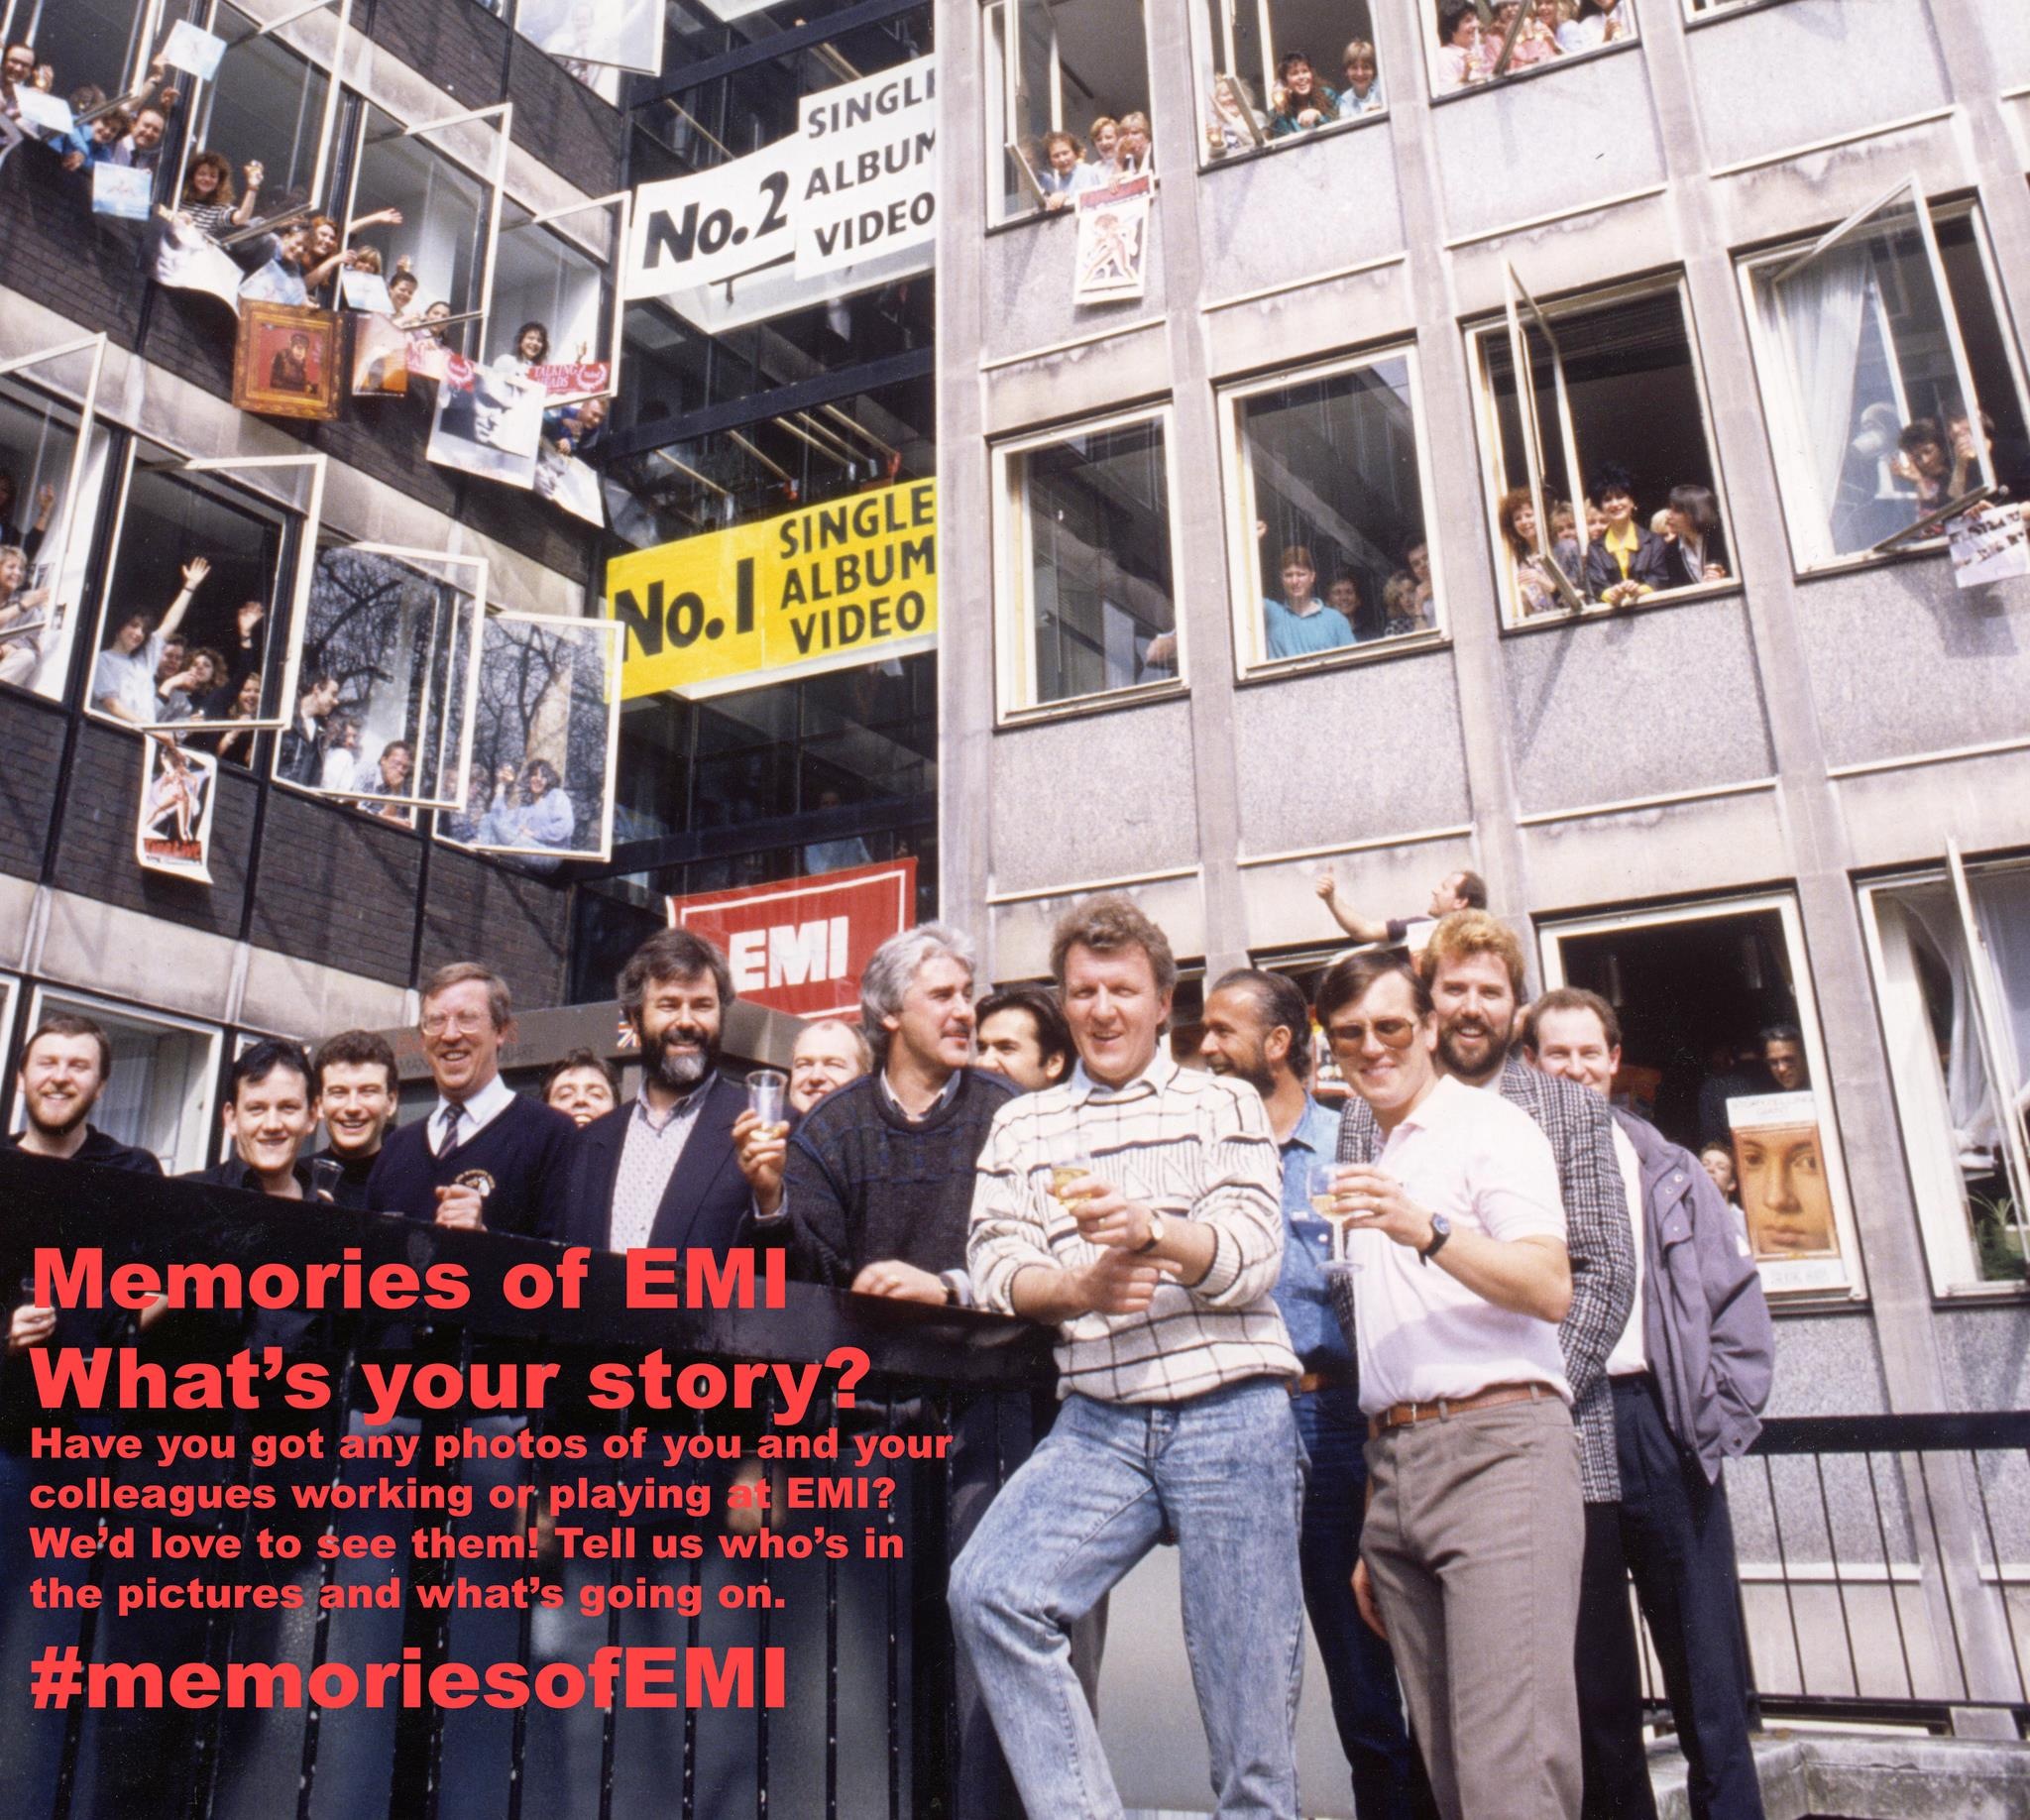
<point x="790" y="954"/>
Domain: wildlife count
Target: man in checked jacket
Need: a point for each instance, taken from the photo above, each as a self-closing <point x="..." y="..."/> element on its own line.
<point x="1473" y="965"/>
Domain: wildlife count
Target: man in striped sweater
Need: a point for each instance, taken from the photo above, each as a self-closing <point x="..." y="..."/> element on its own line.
<point x="1137" y="1209"/>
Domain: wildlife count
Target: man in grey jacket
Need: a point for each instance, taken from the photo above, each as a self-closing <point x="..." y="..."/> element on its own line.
<point x="1689" y="1379"/>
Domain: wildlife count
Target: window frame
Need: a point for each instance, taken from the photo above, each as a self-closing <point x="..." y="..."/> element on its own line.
<point x="1206" y="69"/>
<point x="1426" y="15"/>
<point x="288" y="520"/>
<point x="148" y="12"/>
<point x="88" y="424"/>
<point x="468" y="694"/>
<point x="1946" y="1231"/>
<point x="1845" y="1278"/>
<point x="612" y="307"/>
<point x="1244" y="551"/>
<point x="1520" y="311"/>
<point x="1014" y="643"/>
<point x="1776" y="379"/>
<point x="205" y="1102"/>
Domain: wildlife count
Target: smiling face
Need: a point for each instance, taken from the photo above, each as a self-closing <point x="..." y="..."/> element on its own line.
<point x="396" y="765"/>
<point x="323" y="238"/>
<point x="402" y="288"/>
<point x="934" y="1028"/>
<point x="1784" y="1056"/>
<point x="149" y="126"/>
<point x="1570" y="1043"/>
<point x="460" y="1039"/>
<point x="59" y="1082"/>
<point x="1384" y="1047"/>
<point x="1524" y="520"/>
<point x="1466" y="34"/>
<point x="1064" y="156"/>
<point x="355" y="1103"/>
<point x="1106" y="141"/>
<point x="269" y="1121"/>
<point x="826" y="1058"/>
<point x="21" y="63"/>
<point x="12" y="571"/>
<point x="1114" y="1009"/>
<point x="581" y="1095"/>
<point x="1009" y="1047"/>
<point x="1345" y="596"/>
<point x="1476" y="1014"/>
<point x="532" y="344"/>
<point x="1718" y="1163"/>
<point x="204" y="181"/>
<point x="1236" y="1040"/>
<point x="248" y="701"/>
<point x="1297" y="78"/>
<point x="131" y="637"/>
<point x="679" y="1030"/>
<point x="1620" y="508"/>
<point x="1297" y="582"/>
<point x="1360" y="74"/>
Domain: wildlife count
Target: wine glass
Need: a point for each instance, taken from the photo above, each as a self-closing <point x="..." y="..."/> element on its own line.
<point x="1321" y="1186"/>
<point x="768" y="1095"/>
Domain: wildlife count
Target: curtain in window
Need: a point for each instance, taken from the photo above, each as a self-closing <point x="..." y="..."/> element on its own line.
<point x="2002" y="903"/>
<point x="1820" y="311"/>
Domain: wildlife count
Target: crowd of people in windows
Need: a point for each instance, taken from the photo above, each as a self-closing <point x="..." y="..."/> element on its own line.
<point x="1622" y="560"/>
<point x="1523" y="35"/>
<point x="1112" y="151"/>
<point x="1308" y="618"/>
<point x="1300" y="101"/>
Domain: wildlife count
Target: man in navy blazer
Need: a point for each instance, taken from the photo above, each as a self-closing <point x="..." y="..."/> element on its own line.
<point x="684" y="1163"/>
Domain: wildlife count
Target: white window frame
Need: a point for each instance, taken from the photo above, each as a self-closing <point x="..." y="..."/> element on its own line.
<point x="1520" y="313"/>
<point x="613" y="634"/>
<point x="149" y="11"/>
<point x="495" y="178"/>
<point x="202" y="1106"/>
<point x="295" y="586"/>
<point x="1817" y="1278"/>
<point x="58" y="662"/>
<point x="1936" y="1184"/>
<point x="1427" y="12"/>
<point x="327" y="129"/>
<point x="1002" y="97"/>
<point x="1777" y="381"/>
<point x="1244" y="551"/>
<point x="611" y="303"/>
<point x="1213" y="58"/>
<point x="465" y="703"/>
<point x="1015" y="639"/>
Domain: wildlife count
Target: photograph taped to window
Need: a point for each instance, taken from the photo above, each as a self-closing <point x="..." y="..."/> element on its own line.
<point x="1952" y="959"/>
<point x="1601" y="476"/>
<point x="1889" y="371"/>
<point x="381" y="663"/>
<point x="1271" y="71"/>
<point x="1475" y="43"/>
<point x="1720" y="1048"/>
<point x="1330" y="549"/>
<point x="546" y="733"/>
<point x="1092" y="557"/>
<point x="1067" y="102"/>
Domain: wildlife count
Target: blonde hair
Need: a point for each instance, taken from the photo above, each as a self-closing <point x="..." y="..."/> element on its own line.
<point x="1466" y="933"/>
<point x="1109" y="924"/>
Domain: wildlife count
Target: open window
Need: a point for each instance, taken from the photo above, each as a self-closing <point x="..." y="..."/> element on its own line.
<point x="545" y="735"/>
<point x="381" y="678"/>
<point x="1602" y="487"/>
<point x="52" y="473"/>
<point x="604" y="34"/>
<point x="554" y="272"/>
<point x="105" y="44"/>
<point x="1087" y="604"/>
<point x="1950" y="952"/>
<point x="1274" y="71"/>
<point x="1474" y="43"/>
<point x="1892" y="388"/>
<point x="444" y="178"/>
<point x="1721" y="1049"/>
<point x="201" y="660"/>
<point x="1054" y="68"/>
<point x="160" y="1092"/>
<point x="273" y="103"/>
<point x="1326" y="513"/>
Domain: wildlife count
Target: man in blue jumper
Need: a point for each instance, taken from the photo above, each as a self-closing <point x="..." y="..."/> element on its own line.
<point x="485" y="1156"/>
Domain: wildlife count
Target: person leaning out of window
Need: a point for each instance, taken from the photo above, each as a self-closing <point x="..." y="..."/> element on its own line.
<point x="1362" y="95"/>
<point x="1302" y="100"/>
<point x="1229" y="118"/>
<point x="1625" y="560"/>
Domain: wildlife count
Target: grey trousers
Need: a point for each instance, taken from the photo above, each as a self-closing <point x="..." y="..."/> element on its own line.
<point x="1474" y="1539"/>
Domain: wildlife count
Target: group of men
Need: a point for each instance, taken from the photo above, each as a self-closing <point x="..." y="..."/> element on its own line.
<point x="1450" y="1430"/>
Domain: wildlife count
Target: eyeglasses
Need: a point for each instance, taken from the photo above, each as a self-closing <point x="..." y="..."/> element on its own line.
<point x="466" y="1023"/>
<point x="1389" y="1032"/>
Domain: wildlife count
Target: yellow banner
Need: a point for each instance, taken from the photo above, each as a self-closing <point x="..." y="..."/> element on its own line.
<point x="825" y="588"/>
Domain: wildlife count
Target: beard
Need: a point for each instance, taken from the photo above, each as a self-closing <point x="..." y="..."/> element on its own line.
<point x="80" y="1111"/>
<point x="1255" y="1072"/>
<point x="1497" y="1038"/>
<point x="680" y="1072"/>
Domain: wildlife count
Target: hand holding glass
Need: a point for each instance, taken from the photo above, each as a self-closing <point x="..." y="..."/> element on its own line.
<point x="1073" y="1167"/>
<point x="767" y="1096"/>
<point x="1322" y="1185"/>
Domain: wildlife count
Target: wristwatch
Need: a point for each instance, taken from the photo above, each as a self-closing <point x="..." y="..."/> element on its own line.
<point x="1441" y="1230"/>
<point x="1155" y="1237"/>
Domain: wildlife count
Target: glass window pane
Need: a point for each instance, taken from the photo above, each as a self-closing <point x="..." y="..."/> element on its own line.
<point x="40" y="579"/>
<point x="150" y="670"/>
<point x="444" y="208"/>
<point x="541" y="277"/>
<point x="160" y="1092"/>
<point x="1096" y="567"/>
<point x="1334" y="500"/>
<point x="95" y="42"/>
<point x="265" y="107"/>
<point x="1314" y="67"/>
<point x="1061" y="68"/>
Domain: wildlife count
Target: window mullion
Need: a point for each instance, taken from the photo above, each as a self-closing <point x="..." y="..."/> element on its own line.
<point x="1992" y="1020"/>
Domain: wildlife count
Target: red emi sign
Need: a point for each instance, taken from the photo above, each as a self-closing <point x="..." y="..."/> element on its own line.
<point x="799" y="947"/>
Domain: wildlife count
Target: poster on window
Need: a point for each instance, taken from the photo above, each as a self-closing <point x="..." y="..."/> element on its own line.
<point x="193" y="49"/>
<point x="619" y="34"/>
<point x="380" y="358"/>
<point x="124" y="192"/>
<point x="545" y="732"/>
<point x="570" y="484"/>
<point x="187" y="257"/>
<point x="489" y="422"/>
<point x="172" y="833"/>
<point x="1113" y="242"/>
<point x="1786" y="1190"/>
<point x="565" y="381"/>
<point x="1990" y="543"/>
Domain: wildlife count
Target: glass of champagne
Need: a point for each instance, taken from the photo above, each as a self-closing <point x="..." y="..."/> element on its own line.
<point x="1321" y="1186"/>
<point x="768" y="1095"/>
<point x="1066" y="1170"/>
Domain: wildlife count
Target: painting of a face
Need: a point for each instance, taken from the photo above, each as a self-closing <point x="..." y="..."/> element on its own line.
<point x="1784" y="1192"/>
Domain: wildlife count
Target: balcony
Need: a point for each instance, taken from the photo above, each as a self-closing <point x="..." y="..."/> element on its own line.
<point x="1882" y="1557"/>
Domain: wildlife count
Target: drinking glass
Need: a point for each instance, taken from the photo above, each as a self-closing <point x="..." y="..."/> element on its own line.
<point x="1065" y="1169"/>
<point x="1320" y="1186"/>
<point x="767" y="1096"/>
<point x="326" y="1176"/>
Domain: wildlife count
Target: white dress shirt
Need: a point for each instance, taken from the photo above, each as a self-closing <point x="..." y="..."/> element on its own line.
<point x="477" y="1112"/>
<point x="649" y="1155"/>
<point x="1628" y="1356"/>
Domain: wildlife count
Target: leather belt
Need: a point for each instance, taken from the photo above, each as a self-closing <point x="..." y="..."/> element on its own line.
<point x="1408" y="1415"/>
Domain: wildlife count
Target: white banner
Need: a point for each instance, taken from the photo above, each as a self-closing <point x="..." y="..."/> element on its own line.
<point x="848" y="203"/>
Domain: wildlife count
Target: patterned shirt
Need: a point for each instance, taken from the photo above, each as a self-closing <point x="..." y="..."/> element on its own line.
<point x="648" y="1158"/>
<point x="1193" y="1147"/>
<point x="1301" y="1291"/>
<point x="1598" y="1237"/>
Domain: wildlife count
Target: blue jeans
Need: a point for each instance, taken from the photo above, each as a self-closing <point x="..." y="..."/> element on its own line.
<point x="1360" y="1673"/>
<point x="1223" y="1473"/>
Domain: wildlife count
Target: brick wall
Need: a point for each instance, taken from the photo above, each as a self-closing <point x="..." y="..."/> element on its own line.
<point x="517" y="924"/>
<point x="54" y="250"/>
<point x="457" y="44"/>
<point x="562" y="122"/>
<point x="336" y="886"/>
<point x="32" y="737"/>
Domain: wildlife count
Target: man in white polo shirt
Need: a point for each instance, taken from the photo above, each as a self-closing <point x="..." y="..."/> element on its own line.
<point x="1471" y="1550"/>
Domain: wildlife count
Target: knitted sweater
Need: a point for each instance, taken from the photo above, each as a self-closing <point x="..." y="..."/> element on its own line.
<point x="520" y="1163"/>
<point x="862" y="1183"/>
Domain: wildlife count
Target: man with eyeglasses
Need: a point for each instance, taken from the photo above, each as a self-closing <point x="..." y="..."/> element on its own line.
<point x="1471" y="1548"/>
<point x="485" y="1156"/>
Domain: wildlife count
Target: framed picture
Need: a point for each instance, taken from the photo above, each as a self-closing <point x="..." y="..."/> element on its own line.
<point x="288" y="361"/>
<point x="172" y="832"/>
<point x="489" y="422"/>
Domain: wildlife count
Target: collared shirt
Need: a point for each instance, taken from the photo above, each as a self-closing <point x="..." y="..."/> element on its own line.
<point x="1292" y="633"/>
<point x="1190" y="1145"/>
<point x="478" y="1112"/>
<point x="1623" y="542"/>
<point x="1421" y="1333"/>
<point x="648" y="1158"/>
<point x="945" y="1095"/>
<point x="1629" y="1355"/>
<point x="1302" y="1291"/>
<point x="129" y="678"/>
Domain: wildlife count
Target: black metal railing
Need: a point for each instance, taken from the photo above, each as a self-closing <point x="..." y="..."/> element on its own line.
<point x="849" y="1594"/>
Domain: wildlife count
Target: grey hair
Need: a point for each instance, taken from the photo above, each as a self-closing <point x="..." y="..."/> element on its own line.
<point x="892" y="967"/>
